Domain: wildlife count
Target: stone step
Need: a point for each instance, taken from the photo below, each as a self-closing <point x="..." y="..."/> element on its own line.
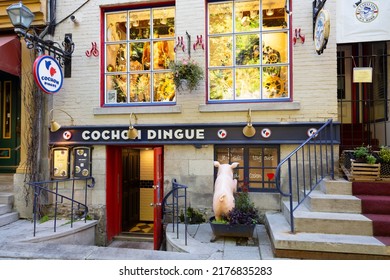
<point x="318" y="201"/>
<point x="321" y="245"/>
<point x="338" y="186"/>
<point x="5" y="208"/>
<point x="330" y="223"/>
<point x="6" y="198"/>
<point x="8" y="218"/>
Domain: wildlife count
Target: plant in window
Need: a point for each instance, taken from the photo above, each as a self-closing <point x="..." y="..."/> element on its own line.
<point x="189" y="70"/>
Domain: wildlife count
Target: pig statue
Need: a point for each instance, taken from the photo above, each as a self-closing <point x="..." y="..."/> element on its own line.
<point x="224" y="188"/>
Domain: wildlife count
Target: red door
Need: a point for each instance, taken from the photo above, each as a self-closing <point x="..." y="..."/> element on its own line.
<point x="114" y="191"/>
<point x="158" y="197"/>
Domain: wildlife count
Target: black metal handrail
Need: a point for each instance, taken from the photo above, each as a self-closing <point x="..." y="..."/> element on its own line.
<point x="313" y="161"/>
<point x="47" y="186"/>
<point x="174" y="211"/>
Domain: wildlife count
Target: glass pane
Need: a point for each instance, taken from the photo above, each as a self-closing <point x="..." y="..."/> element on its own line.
<point x="275" y="46"/>
<point x="139" y="56"/>
<point x="116" y="88"/>
<point x="247" y="16"/>
<point x="270" y="157"/>
<point x="255" y="157"/>
<point x="221" y="84"/>
<point x="255" y="174"/>
<point x="221" y="51"/>
<point x="275" y="82"/>
<point x="247" y="49"/>
<point x="237" y="155"/>
<point x="220" y="18"/>
<point x="248" y="83"/>
<point x="139" y="87"/>
<point x="120" y="64"/>
<point x="163" y="87"/>
<point x="274" y="15"/>
<point x="116" y="27"/>
<point x="164" y="23"/>
<point x="163" y="54"/>
<point x="222" y="155"/>
<point x="139" y="24"/>
<point x="111" y="54"/>
<point x="269" y="178"/>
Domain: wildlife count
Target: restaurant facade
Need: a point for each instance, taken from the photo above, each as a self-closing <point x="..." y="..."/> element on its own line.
<point x="271" y="65"/>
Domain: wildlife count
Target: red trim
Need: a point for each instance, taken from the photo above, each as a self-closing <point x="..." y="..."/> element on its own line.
<point x="291" y="81"/>
<point x="113" y="191"/>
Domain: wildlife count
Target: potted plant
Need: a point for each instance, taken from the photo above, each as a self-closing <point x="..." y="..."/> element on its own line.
<point x="240" y="221"/>
<point x="186" y="70"/>
<point x="384" y="158"/>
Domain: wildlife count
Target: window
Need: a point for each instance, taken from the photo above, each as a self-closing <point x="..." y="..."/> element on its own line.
<point x="257" y="165"/>
<point x="238" y="68"/>
<point x="139" y="45"/>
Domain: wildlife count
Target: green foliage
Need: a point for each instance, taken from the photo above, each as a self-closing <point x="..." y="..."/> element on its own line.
<point x="364" y="154"/>
<point x="186" y="69"/>
<point x="244" y="211"/>
<point x="384" y="154"/>
<point x="194" y="216"/>
<point x="44" y="219"/>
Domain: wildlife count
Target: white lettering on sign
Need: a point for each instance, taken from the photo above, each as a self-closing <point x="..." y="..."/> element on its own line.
<point x="175" y="134"/>
<point x="255" y="176"/>
<point x="104" y="135"/>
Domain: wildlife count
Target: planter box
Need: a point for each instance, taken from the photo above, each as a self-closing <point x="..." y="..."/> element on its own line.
<point x="232" y="230"/>
<point x="363" y="172"/>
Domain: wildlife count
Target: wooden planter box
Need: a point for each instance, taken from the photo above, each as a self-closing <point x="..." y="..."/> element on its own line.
<point x="232" y="230"/>
<point x="363" y="171"/>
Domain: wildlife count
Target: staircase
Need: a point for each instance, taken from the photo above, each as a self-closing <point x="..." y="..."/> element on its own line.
<point x="339" y="220"/>
<point x="7" y="215"/>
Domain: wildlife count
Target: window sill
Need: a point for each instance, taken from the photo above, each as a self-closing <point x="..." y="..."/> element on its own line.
<point x="241" y="107"/>
<point x="176" y="109"/>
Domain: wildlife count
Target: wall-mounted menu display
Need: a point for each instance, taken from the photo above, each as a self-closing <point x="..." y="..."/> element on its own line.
<point x="60" y="163"/>
<point x="81" y="162"/>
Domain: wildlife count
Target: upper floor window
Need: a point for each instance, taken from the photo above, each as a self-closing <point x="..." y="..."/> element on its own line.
<point x="139" y="45"/>
<point x="248" y="51"/>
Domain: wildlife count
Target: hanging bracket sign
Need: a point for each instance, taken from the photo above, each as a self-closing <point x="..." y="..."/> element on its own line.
<point x="48" y="74"/>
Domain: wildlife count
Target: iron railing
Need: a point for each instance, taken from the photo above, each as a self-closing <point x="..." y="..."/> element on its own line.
<point x="52" y="187"/>
<point x="172" y="208"/>
<point x="303" y="169"/>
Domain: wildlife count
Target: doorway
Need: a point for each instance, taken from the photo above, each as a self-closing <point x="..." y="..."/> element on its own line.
<point x="134" y="193"/>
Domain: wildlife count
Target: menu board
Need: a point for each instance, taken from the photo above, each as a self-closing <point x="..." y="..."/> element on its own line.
<point x="82" y="162"/>
<point x="60" y="163"/>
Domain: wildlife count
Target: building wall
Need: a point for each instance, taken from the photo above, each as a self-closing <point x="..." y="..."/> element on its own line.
<point x="314" y="98"/>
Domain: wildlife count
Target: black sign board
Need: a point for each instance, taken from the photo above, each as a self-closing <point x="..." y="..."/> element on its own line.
<point x="82" y="162"/>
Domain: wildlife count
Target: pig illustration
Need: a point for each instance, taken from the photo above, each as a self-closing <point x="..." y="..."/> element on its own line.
<point x="224" y="188"/>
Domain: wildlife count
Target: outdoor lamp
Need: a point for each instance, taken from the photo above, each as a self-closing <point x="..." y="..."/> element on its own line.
<point x="54" y="126"/>
<point x="20" y="16"/>
<point x="132" y="133"/>
<point x="249" y="130"/>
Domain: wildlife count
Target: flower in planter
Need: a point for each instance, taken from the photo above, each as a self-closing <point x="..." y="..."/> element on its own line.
<point x="189" y="70"/>
<point x="364" y="154"/>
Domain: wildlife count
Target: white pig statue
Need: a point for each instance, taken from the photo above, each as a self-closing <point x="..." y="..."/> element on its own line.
<point x="224" y="188"/>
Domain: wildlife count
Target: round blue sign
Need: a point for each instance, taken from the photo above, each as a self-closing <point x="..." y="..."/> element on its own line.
<point x="48" y="74"/>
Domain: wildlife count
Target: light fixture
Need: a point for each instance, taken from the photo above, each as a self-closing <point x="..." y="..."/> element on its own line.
<point x="132" y="133"/>
<point x="54" y="126"/>
<point x="249" y="130"/>
<point x="269" y="12"/>
<point x="20" y="15"/>
<point x="21" y="18"/>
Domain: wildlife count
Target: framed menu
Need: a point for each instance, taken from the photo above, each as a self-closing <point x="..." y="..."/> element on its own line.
<point x="82" y="162"/>
<point x="60" y="163"/>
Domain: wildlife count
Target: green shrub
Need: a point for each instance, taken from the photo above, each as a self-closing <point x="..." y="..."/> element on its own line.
<point x="384" y="154"/>
<point x="194" y="216"/>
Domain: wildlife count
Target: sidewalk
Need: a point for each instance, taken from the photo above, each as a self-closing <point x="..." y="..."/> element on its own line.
<point x="17" y="242"/>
